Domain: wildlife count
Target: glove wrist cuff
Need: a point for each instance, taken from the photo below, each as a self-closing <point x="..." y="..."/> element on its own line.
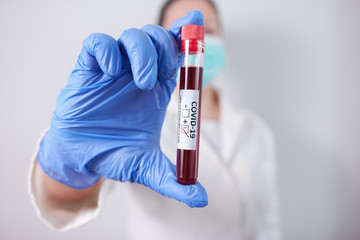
<point x="56" y="161"/>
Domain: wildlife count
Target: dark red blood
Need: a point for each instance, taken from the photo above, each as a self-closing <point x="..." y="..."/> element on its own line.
<point x="188" y="160"/>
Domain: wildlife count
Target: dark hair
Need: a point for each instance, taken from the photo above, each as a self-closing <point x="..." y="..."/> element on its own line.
<point x="167" y="4"/>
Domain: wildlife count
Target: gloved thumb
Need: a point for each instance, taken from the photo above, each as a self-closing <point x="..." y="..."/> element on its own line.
<point x="152" y="169"/>
<point x="163" y="180"/>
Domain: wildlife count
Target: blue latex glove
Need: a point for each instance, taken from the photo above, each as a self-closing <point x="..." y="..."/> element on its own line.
<point x="108" y="119"/>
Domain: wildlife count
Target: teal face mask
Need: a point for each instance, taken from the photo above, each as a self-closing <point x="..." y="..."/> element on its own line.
<point x="214" y="59"/>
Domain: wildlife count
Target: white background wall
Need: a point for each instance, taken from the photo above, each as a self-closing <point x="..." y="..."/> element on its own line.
<point x="295" y="63"/>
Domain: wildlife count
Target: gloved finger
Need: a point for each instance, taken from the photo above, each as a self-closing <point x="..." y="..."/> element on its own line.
<point x="100" y="54"/>
<point x="166" y="48"/>
<point x="100" y="51"/>
<point x="142" y="56"/>
<point x="193" y="17"/>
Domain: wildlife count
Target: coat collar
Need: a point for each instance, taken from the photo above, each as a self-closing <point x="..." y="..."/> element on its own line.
<point x="230" y="122"/>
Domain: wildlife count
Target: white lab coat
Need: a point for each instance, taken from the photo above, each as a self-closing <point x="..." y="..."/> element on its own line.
<point x="238" y="174"/>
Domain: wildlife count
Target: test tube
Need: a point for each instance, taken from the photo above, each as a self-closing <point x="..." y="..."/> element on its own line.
<point x="192" y="60"/>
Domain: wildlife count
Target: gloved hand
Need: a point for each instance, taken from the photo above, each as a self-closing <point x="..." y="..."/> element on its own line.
<point x="108" y="119"/>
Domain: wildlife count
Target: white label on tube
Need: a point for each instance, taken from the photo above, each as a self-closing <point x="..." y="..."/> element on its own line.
<point x="188" y="119"/>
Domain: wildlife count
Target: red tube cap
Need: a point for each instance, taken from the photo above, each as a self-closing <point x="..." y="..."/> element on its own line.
<point x="194" y="32"/>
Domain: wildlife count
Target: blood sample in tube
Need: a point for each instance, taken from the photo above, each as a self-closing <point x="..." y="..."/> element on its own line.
<point x="192" y="59"/>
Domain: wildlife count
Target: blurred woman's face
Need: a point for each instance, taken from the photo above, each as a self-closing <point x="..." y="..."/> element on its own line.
<point x="180" y="8"/>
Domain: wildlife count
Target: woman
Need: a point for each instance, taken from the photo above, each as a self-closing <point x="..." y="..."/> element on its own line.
<point x="236" y="167"/>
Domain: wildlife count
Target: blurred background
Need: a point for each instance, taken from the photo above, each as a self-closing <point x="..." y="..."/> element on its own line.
<point x="296" y="63"/>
